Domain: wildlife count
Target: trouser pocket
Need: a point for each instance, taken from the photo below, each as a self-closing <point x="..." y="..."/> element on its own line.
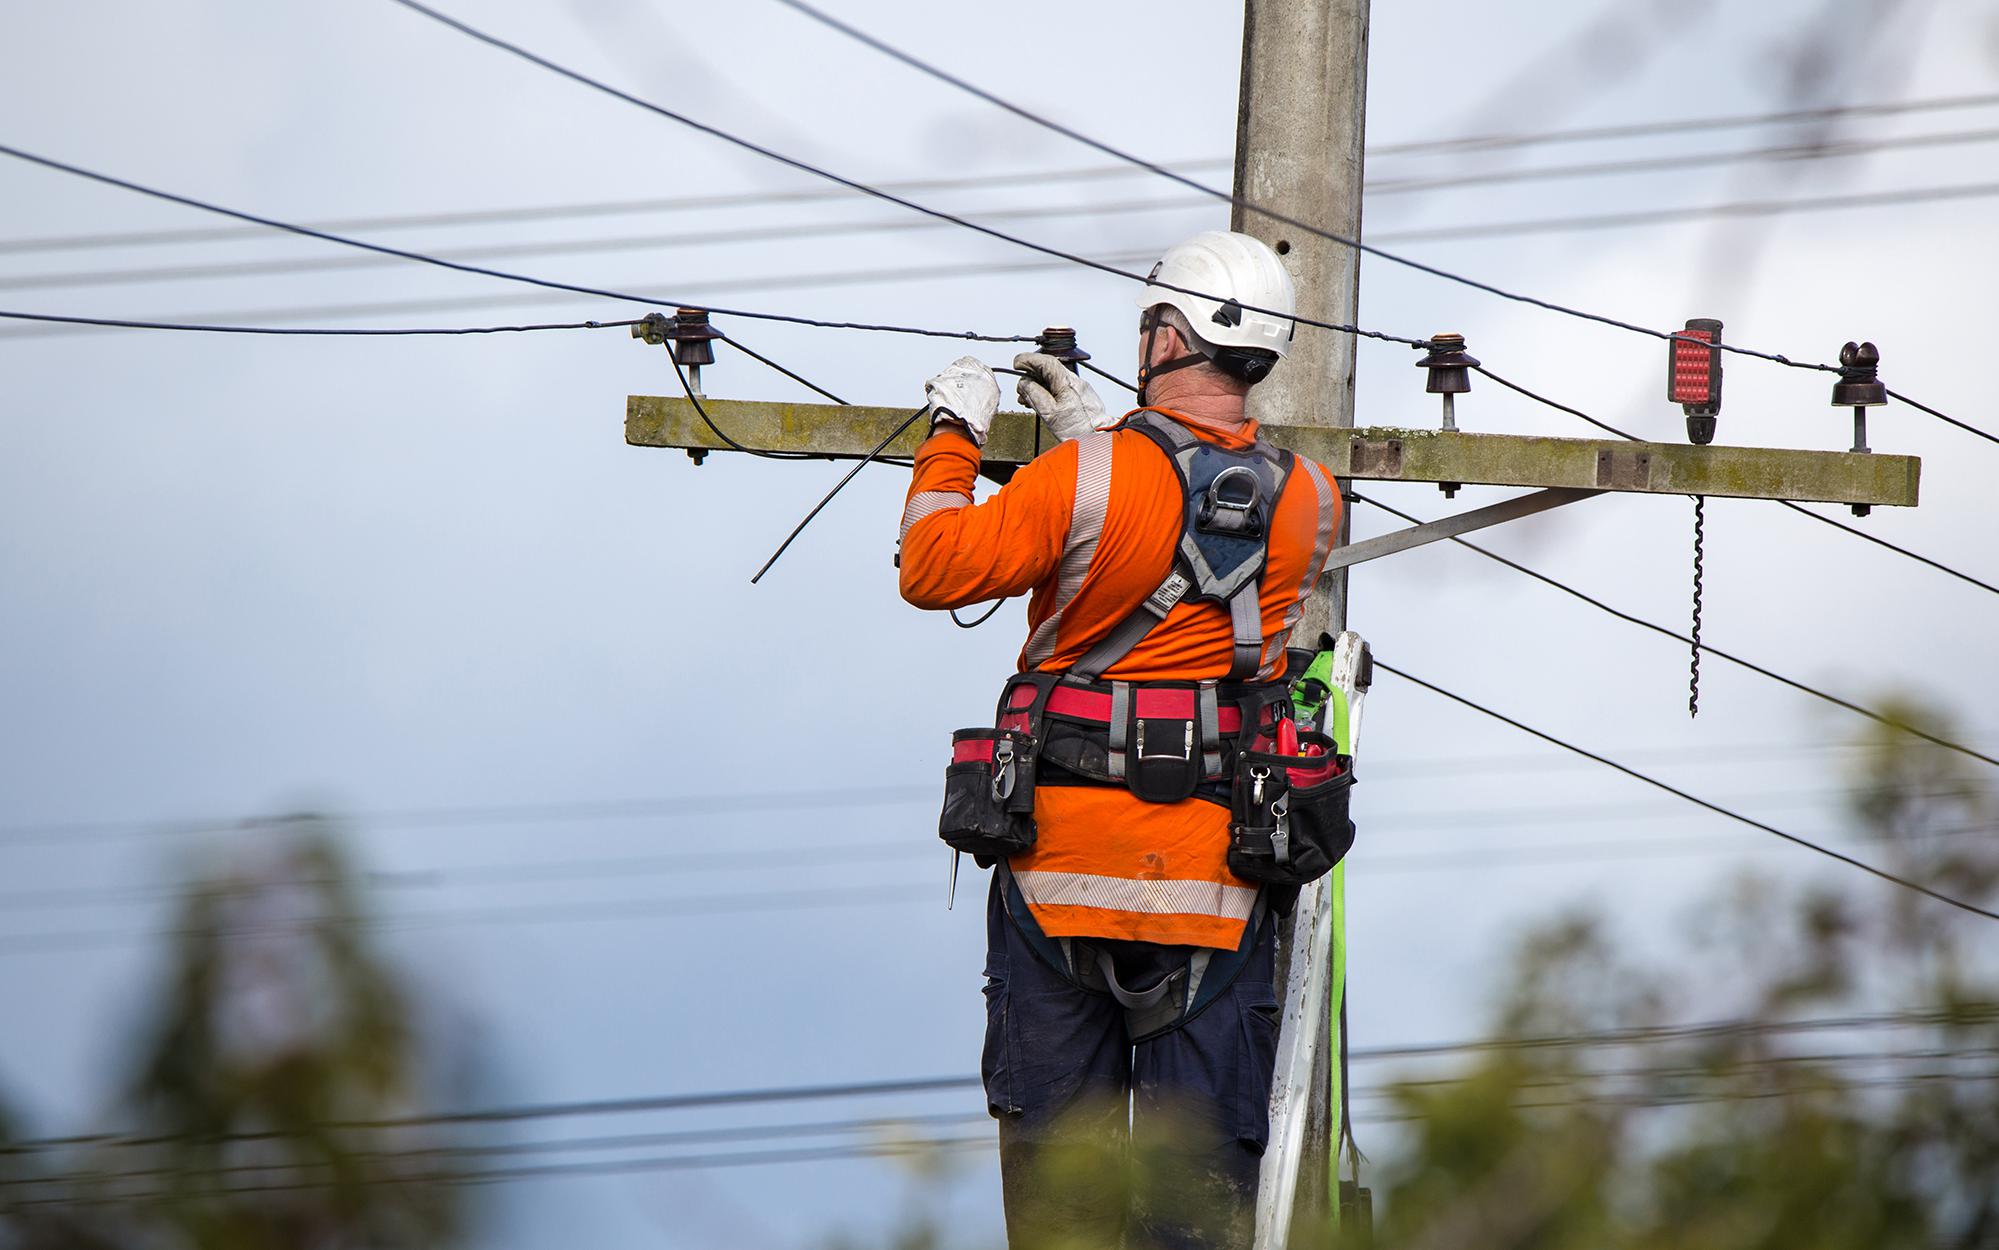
<point x="989" y="794"/>
<point x="1289" y="813"/>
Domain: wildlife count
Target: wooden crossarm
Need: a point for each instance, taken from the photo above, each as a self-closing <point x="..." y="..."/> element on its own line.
<point x="1377" y="454"/>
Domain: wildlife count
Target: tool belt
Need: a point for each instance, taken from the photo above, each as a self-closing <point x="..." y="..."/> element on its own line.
<point x="1168" y="741"/>
<point x="1164" y="741"/>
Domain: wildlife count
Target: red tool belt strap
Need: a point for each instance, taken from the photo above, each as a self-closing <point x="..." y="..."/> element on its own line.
<point x="1146" y="720"/>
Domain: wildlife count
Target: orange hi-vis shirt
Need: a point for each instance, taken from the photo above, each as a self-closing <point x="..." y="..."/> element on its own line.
<point x="1091" y="528"/>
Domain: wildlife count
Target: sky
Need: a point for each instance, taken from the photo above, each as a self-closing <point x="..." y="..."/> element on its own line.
<point x="385" y="577"/>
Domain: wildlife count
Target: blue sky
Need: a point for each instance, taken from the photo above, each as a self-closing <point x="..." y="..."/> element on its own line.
<point x="242" y="575"/>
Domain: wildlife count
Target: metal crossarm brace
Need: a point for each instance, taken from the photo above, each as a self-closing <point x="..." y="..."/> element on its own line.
<point x="1452" y="526"/>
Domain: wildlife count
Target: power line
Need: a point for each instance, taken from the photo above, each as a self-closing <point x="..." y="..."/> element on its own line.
<point x="1120" y="154"/>
<point x="863" y="188"/>
<point x="794" y="280"/>
<point x="421" y="258"/>
<point x="337" y="331"/>
<point x="1987" y="435"/>
<point x="821" y="228"/>
<point x="1593" y="1082"/>
<point x="609" y="208"/>
<point x="1664" y="216"/>
<point x="1938" y="565"/>
<point x="1676" y="636"/>
<point x="1954" y="1016"/>
<point x="588" y="208"/>
<point x="1689" y="160"/>
<point x="623" y="243"/>
<point x="1628" y="771"/>
<point x="787" y="281"/>
<point x="575" y="810"/>
<point x="1737" y="121"/>
<point x="1798" y="508"/>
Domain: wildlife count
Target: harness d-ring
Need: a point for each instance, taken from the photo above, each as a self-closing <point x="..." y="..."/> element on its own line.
<point x="1245" y="518"/>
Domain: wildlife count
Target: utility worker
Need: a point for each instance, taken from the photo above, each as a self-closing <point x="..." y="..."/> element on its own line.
<point x="1125" y="958"/>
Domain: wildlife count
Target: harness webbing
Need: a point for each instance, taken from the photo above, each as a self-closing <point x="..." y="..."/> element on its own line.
<point x="1211" y="563"/>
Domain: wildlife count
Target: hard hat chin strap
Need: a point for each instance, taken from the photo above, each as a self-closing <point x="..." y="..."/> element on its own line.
<point x="1148" y="371"/>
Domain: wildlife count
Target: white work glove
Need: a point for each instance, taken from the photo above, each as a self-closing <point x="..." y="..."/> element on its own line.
<point x="966" y="390"/>
<point x="1064" y="402"/>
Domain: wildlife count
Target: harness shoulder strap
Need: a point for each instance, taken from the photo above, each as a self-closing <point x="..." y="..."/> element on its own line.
<point x="1224" y="543"/>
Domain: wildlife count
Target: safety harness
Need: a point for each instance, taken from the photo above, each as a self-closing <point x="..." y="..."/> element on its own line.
<point x="1166" y="740"/>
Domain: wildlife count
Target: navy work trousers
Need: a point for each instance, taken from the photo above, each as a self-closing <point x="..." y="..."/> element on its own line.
<point x="1104" y="1143"/>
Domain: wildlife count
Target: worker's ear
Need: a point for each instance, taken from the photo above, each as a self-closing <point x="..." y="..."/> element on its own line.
<point x="1167" y="345"/>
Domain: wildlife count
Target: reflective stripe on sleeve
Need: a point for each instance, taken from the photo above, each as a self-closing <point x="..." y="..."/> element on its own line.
<point x="1079" y="546"/>
<point x="1328" y="497"/>
<point x="925" y="502"/>
<point x="1149" y="897"/>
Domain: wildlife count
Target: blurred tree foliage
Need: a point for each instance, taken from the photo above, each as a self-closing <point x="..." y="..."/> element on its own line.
<point x="1807" y="1067"/>
<point x="275" y="1027"/>
<point x="1774" y="1129"/>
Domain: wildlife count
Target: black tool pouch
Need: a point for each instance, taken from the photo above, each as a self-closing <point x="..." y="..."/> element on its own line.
<point x="1289" y="814"/>
<point x="1160" y="757"/>
<point x="989" y="794"/>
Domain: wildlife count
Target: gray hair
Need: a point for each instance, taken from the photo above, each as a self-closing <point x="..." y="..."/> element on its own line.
<point x="1168" y="315"/>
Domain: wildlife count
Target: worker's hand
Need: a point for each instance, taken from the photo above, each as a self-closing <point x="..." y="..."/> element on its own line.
<point x="966" y="390"/>
<point x="1064" y="402"/>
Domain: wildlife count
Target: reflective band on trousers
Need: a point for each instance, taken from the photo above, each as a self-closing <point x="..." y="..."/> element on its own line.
<point x="1322" y="551"/>
<point x="1079" y="546"/>
<point x="925" y="502"/>
<point x="1149" y="897"/>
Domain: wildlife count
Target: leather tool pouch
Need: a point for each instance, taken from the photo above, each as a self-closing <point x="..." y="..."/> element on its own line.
<point x="1161" y="742"/>
<point x="1289" y="814"/>
<point x="989" y="794"/>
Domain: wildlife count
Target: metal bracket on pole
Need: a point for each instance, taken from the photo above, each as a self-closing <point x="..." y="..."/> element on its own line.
<point x="1452" y="526"/>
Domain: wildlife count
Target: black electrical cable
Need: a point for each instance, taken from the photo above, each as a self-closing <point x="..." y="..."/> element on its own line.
<point x="1108" y="376"/>
<point x="1682" y="161"/>
<point x="1987" y="435"/>
<point x="702" y="410"/>
<point x="758" y="356"/>
<point x="985" y="616"/>
<point x="609" y="208"/>
<point x="333" y="331"/>
<point x="1716" y="808"/>
<point x="1216" y="193"/>
<point x="837" y="488"/>
<point x="1941" y="567"/>
<point x="421" y="258"/>
<point x="877" y="192"/>
<point x="1956" y="1015"/>
<point x="1555" y="404"/>
<point x="817" y="228"/>
<point x="1798" y="508"/>
<point x="1675" y="635"/>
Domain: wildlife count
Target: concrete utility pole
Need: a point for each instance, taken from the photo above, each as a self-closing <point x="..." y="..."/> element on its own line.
<point x="1300" y="132"/>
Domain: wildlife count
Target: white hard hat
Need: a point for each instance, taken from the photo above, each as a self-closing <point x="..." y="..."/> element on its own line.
<point x="1236" y="276"/>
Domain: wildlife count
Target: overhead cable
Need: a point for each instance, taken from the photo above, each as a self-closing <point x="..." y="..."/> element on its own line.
<point x="1954" y="1016"/>
<point x="747" y="199"/>
<point x="1795" y="507"/>
<point x="421" y="258"/>
<point x="1781" y="153"/>
<point x="1938" y="565"/>
<point x="874" y="191"/>
<point x="1830" y="853"/>
<point x="1688" y="125"/>
<point x="320" y="331"/>
<point x="1718" y="653"/>
<point x="1987" y="435"/>
<point x="1192" y="184"/>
